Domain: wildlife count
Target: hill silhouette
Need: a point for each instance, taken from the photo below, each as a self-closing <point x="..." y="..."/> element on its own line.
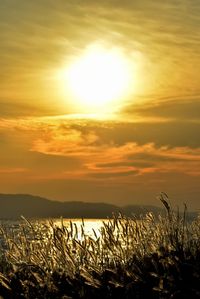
<point x="12" y="206"/>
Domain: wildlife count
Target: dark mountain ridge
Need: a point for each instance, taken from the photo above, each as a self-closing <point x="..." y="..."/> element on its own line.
<point x="12" y="206"/>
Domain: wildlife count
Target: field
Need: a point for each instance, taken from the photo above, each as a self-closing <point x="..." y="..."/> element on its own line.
<point x="154" y="257"/>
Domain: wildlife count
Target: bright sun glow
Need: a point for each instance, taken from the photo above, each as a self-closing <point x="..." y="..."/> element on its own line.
<point x="98" y="79"/>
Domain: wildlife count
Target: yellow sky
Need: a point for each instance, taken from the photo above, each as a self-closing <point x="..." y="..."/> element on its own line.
<point x="149" y="140"/>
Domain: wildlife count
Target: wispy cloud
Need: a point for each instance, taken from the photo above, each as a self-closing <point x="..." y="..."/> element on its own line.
<point x="38" y="38"/>
<point x="183" y="108"/>
<point x="12" y="170"/>
<point x="99" y="153"/>
<point x="154" y="143"/>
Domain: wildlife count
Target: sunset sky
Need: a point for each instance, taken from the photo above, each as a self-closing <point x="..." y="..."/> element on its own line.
<point x="127" y="126"/>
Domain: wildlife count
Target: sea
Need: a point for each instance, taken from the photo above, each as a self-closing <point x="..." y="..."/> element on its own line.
<point x="12" y="228"/>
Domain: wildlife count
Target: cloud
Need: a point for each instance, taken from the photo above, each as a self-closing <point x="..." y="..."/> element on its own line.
<point x="174" y="108"/>
<point x="95" y="150"/>
<point x="40" y="37"/>
<point x="113" y="174"/>
<point x="75" y="159"/>
<point x="10" y="110"/>
<point x="156" y="146"/>
<point x="136" y="164"/>
<point x="12" y="170"/>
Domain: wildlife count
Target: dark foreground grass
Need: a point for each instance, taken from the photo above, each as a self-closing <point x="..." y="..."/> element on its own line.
<point x="150" y="258"/>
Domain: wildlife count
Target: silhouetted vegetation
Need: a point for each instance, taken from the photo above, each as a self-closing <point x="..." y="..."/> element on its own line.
<point x="155" y="257"/>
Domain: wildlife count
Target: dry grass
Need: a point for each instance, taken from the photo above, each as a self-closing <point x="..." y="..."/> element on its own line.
<point x="149" y="258"/>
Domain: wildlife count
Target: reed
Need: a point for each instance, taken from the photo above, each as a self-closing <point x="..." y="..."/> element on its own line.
<point x="153" y="257"/>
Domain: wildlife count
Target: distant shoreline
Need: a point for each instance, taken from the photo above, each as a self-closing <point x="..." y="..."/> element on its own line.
<point x="13" y="206"/>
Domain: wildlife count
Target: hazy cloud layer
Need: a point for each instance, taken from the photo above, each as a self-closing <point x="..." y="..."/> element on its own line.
<point x="54" y="151"/>
<point x="174" y="108"/>
<point x="39" y="37"/>
<point x="154" y="143"/>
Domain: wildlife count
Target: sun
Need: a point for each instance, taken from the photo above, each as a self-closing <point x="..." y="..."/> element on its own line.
<point x="98" y="79"/>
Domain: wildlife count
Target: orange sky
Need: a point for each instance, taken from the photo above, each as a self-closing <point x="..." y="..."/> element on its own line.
<point x="48" y="144"/>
